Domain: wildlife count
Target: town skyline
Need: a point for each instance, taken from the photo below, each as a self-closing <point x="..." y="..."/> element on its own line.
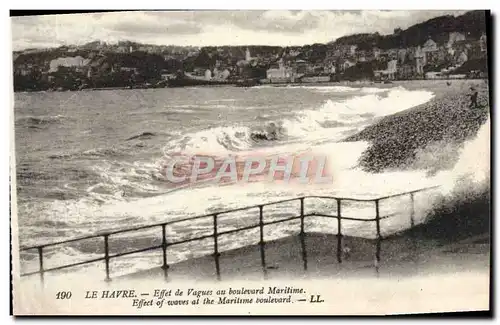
<point x="210" y="28"/>
<point x="443" y="47"/>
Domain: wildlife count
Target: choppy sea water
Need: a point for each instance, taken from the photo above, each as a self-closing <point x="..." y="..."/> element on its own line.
<point x="91" y="161"/>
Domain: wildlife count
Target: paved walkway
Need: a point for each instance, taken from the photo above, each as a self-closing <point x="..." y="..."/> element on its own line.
<point x="316" y="257"/>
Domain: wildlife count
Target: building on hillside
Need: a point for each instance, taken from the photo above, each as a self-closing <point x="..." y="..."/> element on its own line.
<point x="410" y="54"/>
<point x="333" y="53"/>
<point x="429" y="46"/>
<point x="406" y="71"/>
<point x="208" y="74"/>
<point x="434" y="75"/>
<point x="402" y="55"/>
<point x="280" y="73"/>
<point x="68" y="62"/>
<point x="248" y="57"/>
<point x="329" y="68"/>
<point x="454" y="37"/>
<point x="441" y="54"/>
<point x="361" y="56"/>
<point x="346" y="64"/>
<point x="352" y="50"/>
<point x="392" y="68"/>
<point x="242" y="66"/>
<point x="301" y="67"/>
<point x="462" y="58"/>
<point x="122" y="49"/>
<point x="168" y="76"/>
<point x="482" y="42"/>
<point x="392" y="54"/>
<point x="420" y="61"/>
<point x="475" y="51"/>
<point x="129" y="69"/>
<point x="315" y="79"/>
<point x="221" y="74"/>
<point x="24" y="69"/>
<point x="430" y="49"/>
<point x="390" y="73"/>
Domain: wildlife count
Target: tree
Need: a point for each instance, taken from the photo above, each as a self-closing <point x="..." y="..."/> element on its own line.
<point x="203" y="60"/>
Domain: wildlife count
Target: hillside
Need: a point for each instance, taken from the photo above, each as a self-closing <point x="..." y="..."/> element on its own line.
<point x="130" y="64"/>
<point x="471" y="24"/>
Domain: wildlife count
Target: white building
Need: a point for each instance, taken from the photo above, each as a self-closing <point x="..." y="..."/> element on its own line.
<point x="454" y="37"/>
<point x="221" y="74"/>
<point x="392" y="68"/>
<point x="330" y="68"/>
<point x="76" y="61"/>
<point x="419" y="60"/>
<point x="280" y="74"/>
<point x="429" y="46"/>
<point x="248" y="57"/>
<point x="390" y="72"/>
<point x="208" y="74"/>
<point x="433" y="75"/>
<point x="352" y="50"/>
<point x="482" y="42"/>
<point x="462" y="58"/>
<point x="347" y="64"/>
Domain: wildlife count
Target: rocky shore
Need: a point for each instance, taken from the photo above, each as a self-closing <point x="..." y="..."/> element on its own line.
<point x="446" y="120"/>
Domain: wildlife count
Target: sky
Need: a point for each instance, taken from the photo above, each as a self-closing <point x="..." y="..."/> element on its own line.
<point x="206" y="28"/>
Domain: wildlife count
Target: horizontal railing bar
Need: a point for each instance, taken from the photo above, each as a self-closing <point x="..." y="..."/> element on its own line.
<point x="222" y="212"/>
<point x="337" y="217"/>
<point x="64" y="266"/>
<point x="340" y="198"/>
<point x="281" y="220"/>
<point x="151" y="248"/>
<point x="189" y="240"/>
<point x="120" y="231"/>
<point x="345" y="218"/>
<point x="237" y="230"/>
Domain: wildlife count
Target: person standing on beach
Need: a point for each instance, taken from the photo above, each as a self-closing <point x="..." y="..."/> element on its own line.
<point x="473" y="98"/>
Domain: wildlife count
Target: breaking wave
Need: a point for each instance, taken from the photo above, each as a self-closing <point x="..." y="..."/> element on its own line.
<point x="39" y="121"/>
<point x="329" y="121"/>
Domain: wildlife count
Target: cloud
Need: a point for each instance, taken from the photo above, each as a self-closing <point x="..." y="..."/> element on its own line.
<point x="174" y="28"/>
<point x="206" y="27"/>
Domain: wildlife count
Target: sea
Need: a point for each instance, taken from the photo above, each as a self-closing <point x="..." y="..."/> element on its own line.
<point x="91" y="161"/>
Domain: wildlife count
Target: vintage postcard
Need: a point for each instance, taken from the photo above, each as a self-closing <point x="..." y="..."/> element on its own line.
<point x="250" y="163"/>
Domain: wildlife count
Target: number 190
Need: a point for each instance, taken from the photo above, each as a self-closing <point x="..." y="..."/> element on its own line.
<point x="63" y="295"/>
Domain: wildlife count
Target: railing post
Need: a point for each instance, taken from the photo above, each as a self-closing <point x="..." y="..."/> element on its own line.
<point x="40" y="260"/>
<point x="339" y="231"/>
<point x="216" y="248"/>
<point x="261" y="224"/>
<point x="304" y="252"/>
<point x="216" y="244"/>
<point x="261" y="241"/>
<point x="412" y="215"/>
<point x="164" y="248"/>
<point x="302" y="216"/>
<point x="106" y="256"/>
<point x="379" y="237"/>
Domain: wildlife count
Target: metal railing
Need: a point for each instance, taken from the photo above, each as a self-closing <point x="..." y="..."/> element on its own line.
<point x="216" y="233"/>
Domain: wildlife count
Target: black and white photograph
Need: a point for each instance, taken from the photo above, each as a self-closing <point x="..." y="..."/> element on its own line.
<point x="251" y="162"/>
